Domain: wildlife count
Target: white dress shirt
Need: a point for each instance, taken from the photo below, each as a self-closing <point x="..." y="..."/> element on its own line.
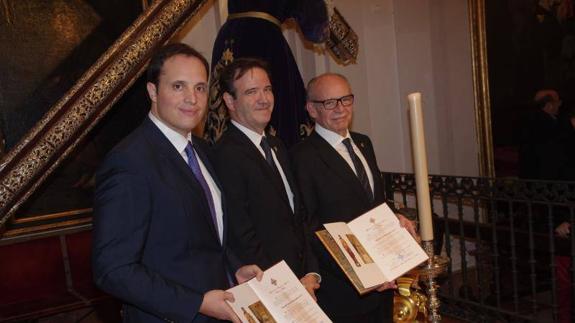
<point x="336" y="141"/>
<point x="256" y="139"/>
<point x="180" y="142"/>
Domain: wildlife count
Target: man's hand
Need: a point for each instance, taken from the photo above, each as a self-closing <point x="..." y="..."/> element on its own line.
<point x="387" y="285"/>
<point x="563" y="230"/>
<point x="409" y="225"/>
<point x="214" y="305"/>
<point x="310" y="282"/>
<point x="248" y="272"/>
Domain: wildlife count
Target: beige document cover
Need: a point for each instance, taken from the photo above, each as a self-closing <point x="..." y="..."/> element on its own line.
<point x="372" y="249"/>
<point x="278" y="298"/>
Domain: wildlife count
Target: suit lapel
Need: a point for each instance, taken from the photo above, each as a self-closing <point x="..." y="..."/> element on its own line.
<point x="340" y="167"/>
<point x="167" y="151"/>
<point x="253" y="152"/>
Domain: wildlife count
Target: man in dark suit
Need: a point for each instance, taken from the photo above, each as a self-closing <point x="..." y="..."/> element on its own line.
<point x="159" y="224"/>
<point x="541" y="152"/>
<point x="339" y="180"/>
<point x="265" y="211"/>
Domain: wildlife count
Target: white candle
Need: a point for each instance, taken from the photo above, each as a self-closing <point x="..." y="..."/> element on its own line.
<point x="420" y="166"/>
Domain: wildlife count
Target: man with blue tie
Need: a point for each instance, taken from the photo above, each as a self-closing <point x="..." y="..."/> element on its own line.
<point x="266" y="214"/>
<point x="159" y="219"/>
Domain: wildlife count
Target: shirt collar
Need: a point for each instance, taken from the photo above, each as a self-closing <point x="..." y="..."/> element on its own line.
<point x="331" y="137"/>
<point x="254" y="137"/>
<point x="180" y="142"/>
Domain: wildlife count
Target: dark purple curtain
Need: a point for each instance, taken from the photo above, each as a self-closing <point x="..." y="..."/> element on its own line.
<point x="255" y="37"/>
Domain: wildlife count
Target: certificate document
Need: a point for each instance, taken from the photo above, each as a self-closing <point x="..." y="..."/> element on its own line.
<point x="373" y="248"/>
<point x="278" y="298"/>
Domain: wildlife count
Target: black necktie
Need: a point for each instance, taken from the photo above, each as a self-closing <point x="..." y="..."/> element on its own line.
<point x="270" y="159"/>
<point x="268" y="152"/>
<point x="359" y="169"/>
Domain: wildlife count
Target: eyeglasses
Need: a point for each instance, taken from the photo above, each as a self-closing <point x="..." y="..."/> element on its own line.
<point x="330" y="104"/>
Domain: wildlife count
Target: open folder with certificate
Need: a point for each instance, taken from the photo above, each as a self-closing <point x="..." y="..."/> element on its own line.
<point x="372" y="249"/>
<point x="278" y="298"/>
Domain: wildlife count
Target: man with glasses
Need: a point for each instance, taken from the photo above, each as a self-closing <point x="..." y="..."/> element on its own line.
<point x="339" y="180"/>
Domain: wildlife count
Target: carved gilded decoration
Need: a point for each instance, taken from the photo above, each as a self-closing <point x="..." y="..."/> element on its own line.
<point x="342" y="42"/>
<point x="481" y="86"/>
<point x="56" y="135"/>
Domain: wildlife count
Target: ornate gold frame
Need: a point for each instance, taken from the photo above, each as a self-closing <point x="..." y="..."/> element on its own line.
<point x="56" y="135"/>
<point x="476" y="11"/>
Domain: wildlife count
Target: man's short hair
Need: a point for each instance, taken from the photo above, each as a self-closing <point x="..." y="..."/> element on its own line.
<point x="542" y="97"/>
<point x="236" y="69"/>
<point x="541" y="102"/>
<point x="168" y="51"/>
<point x="313" y="81"/>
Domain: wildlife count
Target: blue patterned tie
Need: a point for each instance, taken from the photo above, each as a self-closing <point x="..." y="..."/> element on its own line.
<point x="195" y="167"/>
<point x="360" y="170"/>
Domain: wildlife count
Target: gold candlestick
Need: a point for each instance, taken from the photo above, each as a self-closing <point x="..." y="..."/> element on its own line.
<point x="428" y="271"/>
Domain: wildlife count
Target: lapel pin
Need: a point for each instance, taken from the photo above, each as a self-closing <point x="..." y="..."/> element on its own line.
<point x="362" y="145"/>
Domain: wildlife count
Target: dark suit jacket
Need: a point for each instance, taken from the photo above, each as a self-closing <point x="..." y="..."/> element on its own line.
<point x="541" y="153"/>
<point x="263" y="228"/>
<point x="155" y="245"/>
<point x="331" y="192"/>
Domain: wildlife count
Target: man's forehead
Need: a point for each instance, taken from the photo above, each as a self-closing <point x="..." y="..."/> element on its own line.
<point x="249" y="75"/>
<point x="177" y="61"/>
<point x="543" y="93"/>
<point x="172" y="79"/>
<point x="330" y="84"/>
